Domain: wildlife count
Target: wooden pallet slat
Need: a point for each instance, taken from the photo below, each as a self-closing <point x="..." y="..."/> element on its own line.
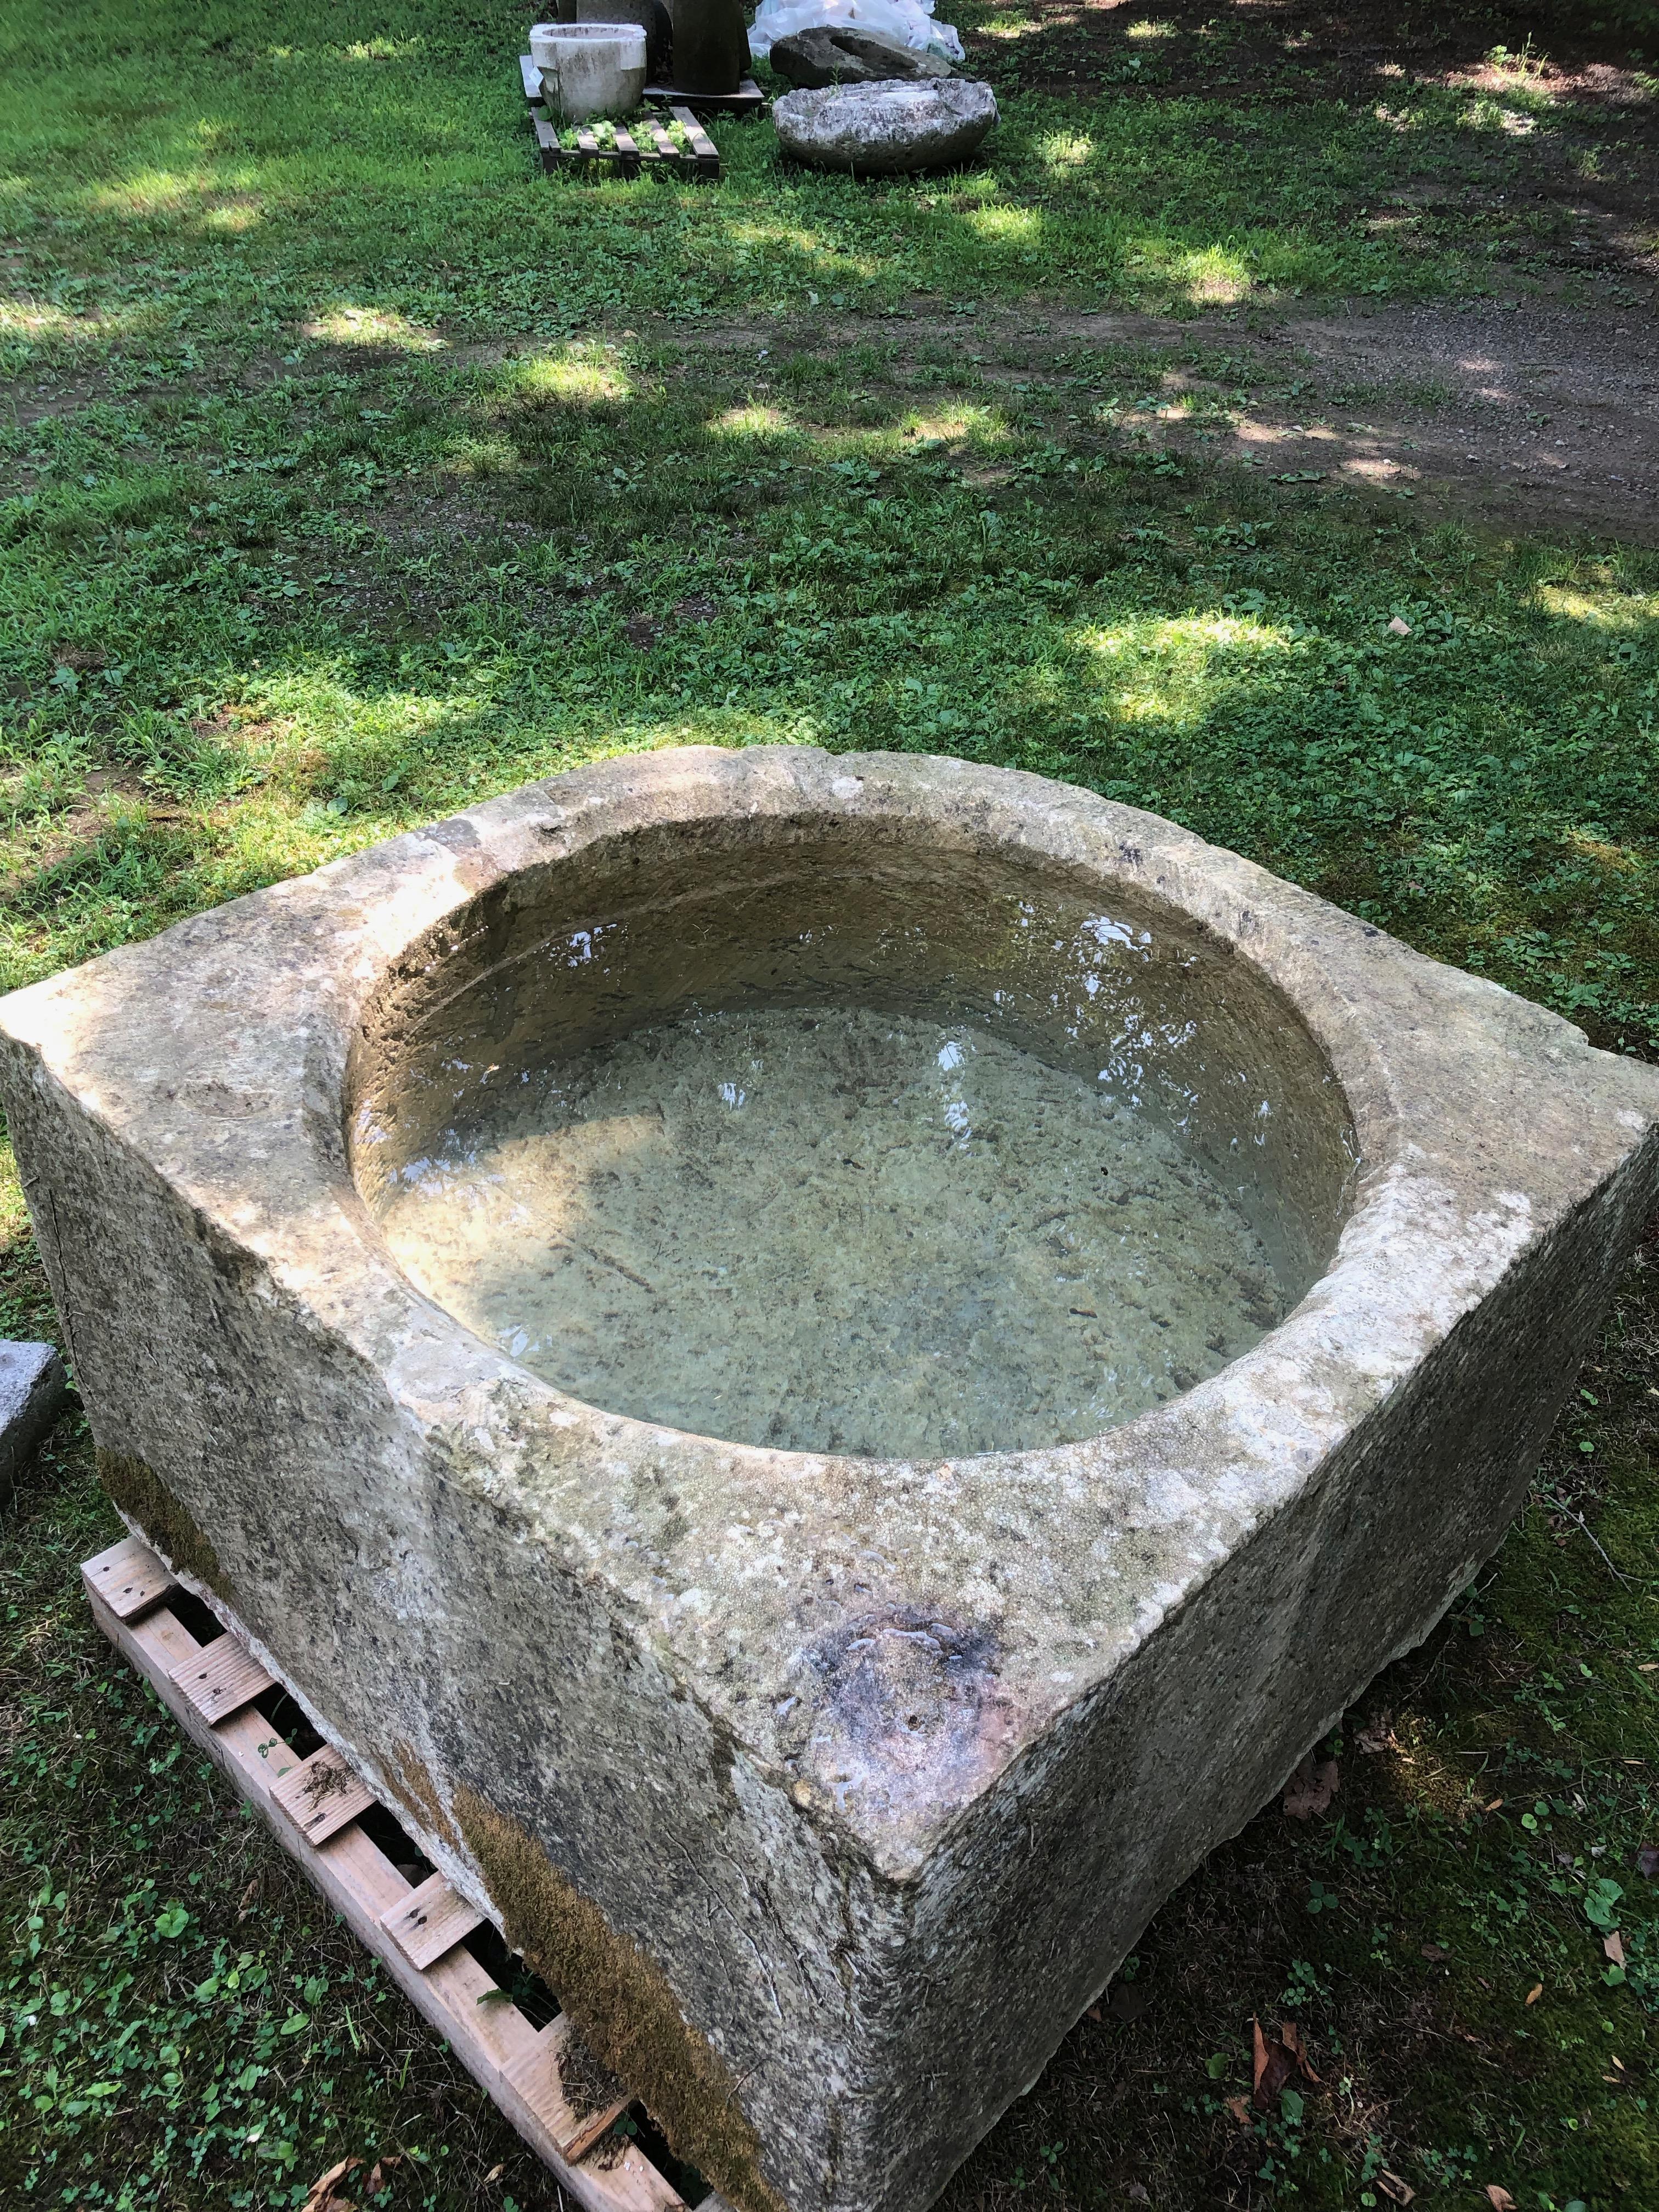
<point x="221" y="1678"/>
<point x="702" y="146"/>
<point x="538" y="2077"/>
<point x="430" y="1921"/>
<point x="547" y="142"/>
<point x="516" y="2064"/>
<point x="127" y="1578"/>
<point x="321" y="1795"/>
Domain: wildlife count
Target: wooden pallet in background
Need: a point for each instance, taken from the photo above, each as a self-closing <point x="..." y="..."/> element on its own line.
<point x="747" y="99"/>
<point x="646" y="146"/>
<point x="418" y="1931"/>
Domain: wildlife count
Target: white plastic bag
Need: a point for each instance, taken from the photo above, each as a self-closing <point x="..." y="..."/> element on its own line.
<point x="905" y="22"/>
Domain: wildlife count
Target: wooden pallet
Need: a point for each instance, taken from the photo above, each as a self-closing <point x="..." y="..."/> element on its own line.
<point x="747" y="99"/>
<point x="646" y="146"/>
<point x="416" y="1930"/>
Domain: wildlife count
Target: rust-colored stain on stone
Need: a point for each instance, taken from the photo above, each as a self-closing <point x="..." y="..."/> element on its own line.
<point x="905" y="1709"/>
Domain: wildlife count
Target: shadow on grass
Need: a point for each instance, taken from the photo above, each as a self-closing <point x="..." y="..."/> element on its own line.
<point x="233" y="180"/>
<point x="510" y="567"/>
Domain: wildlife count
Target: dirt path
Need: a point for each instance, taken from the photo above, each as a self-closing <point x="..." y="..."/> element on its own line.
<point x="1533" y="417"/>
<point x="1543" y="419"/>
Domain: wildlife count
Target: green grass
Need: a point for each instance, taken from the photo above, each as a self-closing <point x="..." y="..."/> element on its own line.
<point x="353" y="471"/>
<point x="276" y="624"/>
<point x="184" y="2023"/>
<point x="176" y="174"/>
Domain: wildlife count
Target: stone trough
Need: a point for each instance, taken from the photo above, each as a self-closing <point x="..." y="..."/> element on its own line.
<point x="826" y="1368"/>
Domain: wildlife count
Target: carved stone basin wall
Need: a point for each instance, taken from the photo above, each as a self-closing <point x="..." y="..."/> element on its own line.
<point x="827" y="1369"/>
<point x="825" y="1134"/>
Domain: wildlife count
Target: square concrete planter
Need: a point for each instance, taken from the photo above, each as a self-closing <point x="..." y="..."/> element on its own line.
<point x="825" y="1790"/>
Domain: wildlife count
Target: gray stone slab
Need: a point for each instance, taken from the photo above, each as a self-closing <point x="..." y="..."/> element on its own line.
<point x="838" y="54"/>
<point x="31" y="1389"/>
<point x="826" y="1791"/>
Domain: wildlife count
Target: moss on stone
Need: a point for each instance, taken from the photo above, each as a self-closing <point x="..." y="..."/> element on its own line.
<point x="134" y="1486"/>
<point x="588" y="2083"/>
<point x="620" y="2000"/>
<point x="420" y="1792"/>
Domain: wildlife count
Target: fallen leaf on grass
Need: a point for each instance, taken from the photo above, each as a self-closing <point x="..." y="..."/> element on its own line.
<point x="1311" y="1788"/>
<point x="324" y="2197"/>
<point x="1291" y="2036"/>
<point x="1379" y="1735"/>
<point x="1275" y="2064"/>
<point x="1272" y="2066"/>
<point x="1239" y="2109"/>
<point x="1535" y="1993"/>
<point x="379" y="2177"/>
<point x="1498" y="2197"/>
<point x="1397" y="2191"/>
<point x="1614" y="1946"/>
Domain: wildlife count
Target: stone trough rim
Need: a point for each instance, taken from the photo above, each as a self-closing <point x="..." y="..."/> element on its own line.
<point x="1195" y="1478"/>
<point x="1365" y="1072"/>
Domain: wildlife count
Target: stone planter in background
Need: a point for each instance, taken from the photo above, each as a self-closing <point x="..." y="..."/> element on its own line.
<point x="589" y="69"/>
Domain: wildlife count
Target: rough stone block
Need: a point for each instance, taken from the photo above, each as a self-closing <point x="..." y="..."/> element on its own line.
<point x="888" y="129"/>
<point x="836" y="54"/>
<point x="32" y="1389"/>
<point x="826" y="1790"/>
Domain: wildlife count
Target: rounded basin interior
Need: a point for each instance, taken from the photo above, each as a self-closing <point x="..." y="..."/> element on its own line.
<point x="810" y="1138"/>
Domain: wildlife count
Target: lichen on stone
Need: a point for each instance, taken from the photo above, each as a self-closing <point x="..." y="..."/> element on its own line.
<point x="133" y="1485"/>
<point x="622" y="2001"/>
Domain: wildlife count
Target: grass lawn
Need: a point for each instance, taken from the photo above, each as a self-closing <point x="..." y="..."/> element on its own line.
<point x="350" y="470"/>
